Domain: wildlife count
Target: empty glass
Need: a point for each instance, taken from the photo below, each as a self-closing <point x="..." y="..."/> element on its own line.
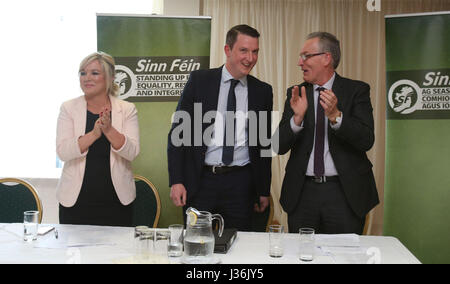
<point x="143" y="240"/>
<point x="175" y="246"/>
<point x="161" y="242"/>
<point x="276" y="248"/>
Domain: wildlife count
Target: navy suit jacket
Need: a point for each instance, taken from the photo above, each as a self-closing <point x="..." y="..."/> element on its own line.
<point x="348" y="146"/>
<point x="186" y="162"/>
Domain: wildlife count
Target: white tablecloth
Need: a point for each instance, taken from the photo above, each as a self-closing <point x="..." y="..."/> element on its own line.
<point x="96" y="244"/>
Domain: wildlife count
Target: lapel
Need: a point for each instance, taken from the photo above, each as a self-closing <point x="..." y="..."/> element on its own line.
<point x="252" y="94"/>
<point x="80" y="113"/>
<point x="116" y="114"/>
<point x="116" y="121"/>
<point x="337" y="89"/>
<point x="209" y="96"/>
<point x="211" y="93"/>
<point x="79" y="117"/>
<point x="310" y="119"/>
<point x="338" y="92"/>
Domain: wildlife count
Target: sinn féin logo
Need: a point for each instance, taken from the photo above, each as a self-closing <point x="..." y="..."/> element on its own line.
<point x="126" y="80"/>
<point x="403" y="96"/>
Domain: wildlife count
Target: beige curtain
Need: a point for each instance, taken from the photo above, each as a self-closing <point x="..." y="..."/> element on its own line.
<point x="284" y="25"/>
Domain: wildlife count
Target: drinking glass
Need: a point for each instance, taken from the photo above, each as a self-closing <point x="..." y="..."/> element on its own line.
<point x="276" y="248"/>
<point x="175" y="246"/>
<point x="30" y="225"/>
<point x="307" y="244"/>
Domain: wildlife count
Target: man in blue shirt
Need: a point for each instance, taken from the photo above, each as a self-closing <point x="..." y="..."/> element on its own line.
<point x="226" y="169"/>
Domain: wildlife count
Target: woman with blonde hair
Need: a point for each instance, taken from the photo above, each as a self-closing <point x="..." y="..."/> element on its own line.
<point x="97" y="138"/>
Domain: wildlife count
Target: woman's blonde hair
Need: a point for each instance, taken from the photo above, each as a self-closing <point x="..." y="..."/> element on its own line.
<point x="108" y="65"/>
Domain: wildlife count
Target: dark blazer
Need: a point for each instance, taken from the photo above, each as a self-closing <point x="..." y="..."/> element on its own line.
<point x="186" y="162"/>
<point x="348" y="146"/>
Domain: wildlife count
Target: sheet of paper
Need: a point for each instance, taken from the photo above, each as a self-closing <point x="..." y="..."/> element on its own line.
<point x="11" y="233"/>
<point x="341" y="240"/>
<point x="67" y="240"/>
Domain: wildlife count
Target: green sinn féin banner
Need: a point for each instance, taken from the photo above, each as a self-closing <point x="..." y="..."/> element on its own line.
<point x="154" y="56"/>
<point x="417" y="183"/>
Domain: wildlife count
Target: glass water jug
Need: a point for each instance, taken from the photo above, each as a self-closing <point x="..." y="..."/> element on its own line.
<point x="199" y="238"/>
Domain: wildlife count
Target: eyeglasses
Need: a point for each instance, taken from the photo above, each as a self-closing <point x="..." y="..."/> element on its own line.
<point x="306" y="56"/>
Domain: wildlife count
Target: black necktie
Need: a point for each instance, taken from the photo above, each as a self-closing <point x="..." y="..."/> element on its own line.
<point x="228" y="150"/>
<point x="319" y="166"/>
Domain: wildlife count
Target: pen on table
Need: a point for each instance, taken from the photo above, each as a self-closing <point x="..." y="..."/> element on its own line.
<point x="56" y="234"/>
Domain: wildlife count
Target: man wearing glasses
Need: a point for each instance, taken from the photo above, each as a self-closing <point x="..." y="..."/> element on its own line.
<point x="328" y="126"/>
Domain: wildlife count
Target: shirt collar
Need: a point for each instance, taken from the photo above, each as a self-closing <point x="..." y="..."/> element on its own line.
<point x="226" y="76"/>
<point x="328" y="85"/>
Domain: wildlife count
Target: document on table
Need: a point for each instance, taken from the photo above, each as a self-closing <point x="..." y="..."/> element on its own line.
<point x="340" y="240"/>
<point x="11" y="232"/>
<point x="70" y="236"/>
<point x="65" y="240"/>
<point x="343" y="248"/>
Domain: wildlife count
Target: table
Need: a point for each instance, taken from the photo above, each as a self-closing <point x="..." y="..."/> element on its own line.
<point x="99" y="244"/>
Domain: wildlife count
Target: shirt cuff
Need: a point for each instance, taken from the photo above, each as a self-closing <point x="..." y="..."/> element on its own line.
<point x="338" y="123"/>
<point x="295" y="128"/>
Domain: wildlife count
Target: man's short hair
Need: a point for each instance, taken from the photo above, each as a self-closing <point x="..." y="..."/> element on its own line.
<point x="328" y="43"/>
<point x="233" y="33"/>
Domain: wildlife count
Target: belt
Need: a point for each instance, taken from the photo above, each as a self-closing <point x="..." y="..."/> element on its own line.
<point x="323" y="179"/>
<point x="222" y="169"/>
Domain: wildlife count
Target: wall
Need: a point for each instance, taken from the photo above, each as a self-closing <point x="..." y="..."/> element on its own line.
<point x="181" y="7"/>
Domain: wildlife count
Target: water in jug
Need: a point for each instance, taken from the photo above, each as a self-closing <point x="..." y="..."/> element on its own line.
<point x="199" y="238"/>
